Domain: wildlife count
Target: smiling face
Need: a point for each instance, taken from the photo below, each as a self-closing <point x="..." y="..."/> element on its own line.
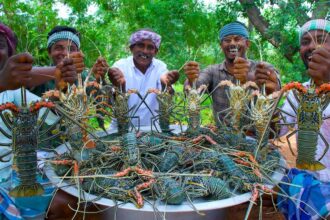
<point x="312" y="40"/>
<point x="3" y="50"/>
<point x="61" y="49"/>
<point x="233" y="46"/>
<point x="143" y="53"/>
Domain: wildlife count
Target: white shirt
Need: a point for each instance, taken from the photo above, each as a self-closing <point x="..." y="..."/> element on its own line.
<point x="135" y="79"/>
<point x="323" y="175"/>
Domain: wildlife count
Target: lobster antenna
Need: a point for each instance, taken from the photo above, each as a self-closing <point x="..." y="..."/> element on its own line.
<point x="263" y="89"/>
<point x="312" y="83"/>
<point x="23" y="96"/>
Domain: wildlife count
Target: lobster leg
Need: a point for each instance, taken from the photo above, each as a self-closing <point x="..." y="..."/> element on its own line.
<point x="153" y="122"/>
<point x="287" y="138"/>
<point x="43" y="118"/>
<point x="3" y="156"/>
<point x="51" y="127"/>
<point x="6" y="121"/>
<point x="5" y="134"/>
<point x="326" y="145"/>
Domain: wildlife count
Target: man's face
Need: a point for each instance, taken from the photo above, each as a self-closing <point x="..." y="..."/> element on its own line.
<point x="3" y="50"/>
<point x="61" y="49"/>
<point x="311" y="41"/>
<point x="233" y="46"/>
<point x="143" y="52"/>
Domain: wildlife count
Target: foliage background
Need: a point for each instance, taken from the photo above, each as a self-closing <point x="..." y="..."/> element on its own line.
<point x="189" y="28"/>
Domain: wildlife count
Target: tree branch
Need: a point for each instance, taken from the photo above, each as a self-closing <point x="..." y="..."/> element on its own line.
<point x="262" y="26"/>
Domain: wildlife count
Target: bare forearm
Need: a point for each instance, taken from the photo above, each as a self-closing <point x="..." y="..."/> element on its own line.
<point x="41" y="75"/>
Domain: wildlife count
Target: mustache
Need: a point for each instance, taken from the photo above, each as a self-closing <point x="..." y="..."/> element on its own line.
<point x="307" y="55"/>
<point x="233" y="47"/>
<point x="140" y="54"/>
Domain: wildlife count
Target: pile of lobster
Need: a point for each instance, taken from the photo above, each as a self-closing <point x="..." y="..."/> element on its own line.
<point x="133" y="166"/>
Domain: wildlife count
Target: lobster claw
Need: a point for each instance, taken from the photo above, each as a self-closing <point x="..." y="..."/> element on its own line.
<point x="5" y="155"/>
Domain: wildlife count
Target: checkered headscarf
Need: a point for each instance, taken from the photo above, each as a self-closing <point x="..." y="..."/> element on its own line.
<point x="234" y="28"/>
<point x="145" y="35"/>
<point x="316" y="24"/>
<point x="63" y="35"/>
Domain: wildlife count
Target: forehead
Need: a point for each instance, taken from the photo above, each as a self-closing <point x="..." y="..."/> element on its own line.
<point x="315" y="34"/>
<point x="233" y="36"/>
<point x="64" y="43"/>
<point x="146" y="42"/>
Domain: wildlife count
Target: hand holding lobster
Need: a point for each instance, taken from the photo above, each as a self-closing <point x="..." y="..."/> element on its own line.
<point x="100" y="68"/>
<point x="266" y="74"/>
<point x="67" y="70"/>
<point x="15" y="72"/>
<point x="240" y="69"/>
<point x="191" y="69"/>
<point x="169" y="78"/>
<point x="319" y="65"/>
<point x="117" y="78"/>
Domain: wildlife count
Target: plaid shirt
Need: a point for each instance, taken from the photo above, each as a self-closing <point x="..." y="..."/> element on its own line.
<point x="305" y="197"/>
<point x="8" y="208"/>
<point x="214" y="74"/>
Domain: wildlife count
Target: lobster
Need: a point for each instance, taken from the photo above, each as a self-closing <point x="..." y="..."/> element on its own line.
<point x="260" y="111"/>
<point x="238" y="97"/>
<point x="25" y="138"/>
<point x="312" y="103"/>
<point x="167" y="109"/>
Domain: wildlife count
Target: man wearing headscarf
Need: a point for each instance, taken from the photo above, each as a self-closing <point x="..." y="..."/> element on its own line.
<point x="309" y="191"/>
<point x="141" y="71"/>
<point x="234" y="42"/>
<point x="14" y="69"/>
<point x="63" y="45"/>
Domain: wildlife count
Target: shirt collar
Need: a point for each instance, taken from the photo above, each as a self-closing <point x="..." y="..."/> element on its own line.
<point x="222" y="66"/>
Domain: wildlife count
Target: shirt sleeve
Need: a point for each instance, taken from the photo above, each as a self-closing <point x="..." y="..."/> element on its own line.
<point x="205" y="77"/>
<point x="163" y="69"/>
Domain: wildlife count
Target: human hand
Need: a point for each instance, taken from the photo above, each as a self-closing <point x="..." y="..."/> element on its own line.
<point x="78" y="61"/>
<point x="191" y="69"/>
<point x="240" y="69"/>
<point x="266" y="74"/>
<point x="117" y="77"/>
<point x="100" y="68"/>
<point x="16" y="72"/>
<point x="65" y="72"/>
<point x="169" y="78"/>
<point x="319" y="66"/>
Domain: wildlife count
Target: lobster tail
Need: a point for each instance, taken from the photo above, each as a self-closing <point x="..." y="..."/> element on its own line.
<point x="27" y="191"/>
<point x="313" y="166"/>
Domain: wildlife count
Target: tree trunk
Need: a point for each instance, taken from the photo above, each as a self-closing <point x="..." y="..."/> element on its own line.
<point x="262" y="26"/>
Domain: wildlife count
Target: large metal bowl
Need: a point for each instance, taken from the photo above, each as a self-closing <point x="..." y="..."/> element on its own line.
<point x="201" y="209"/>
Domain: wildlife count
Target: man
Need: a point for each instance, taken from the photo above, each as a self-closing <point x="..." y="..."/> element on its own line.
<point x="13" y="68"/>
<point x="14" y="73"/>
<point x="17" y="71"/>
<point x="311" y="199"/>
<point x="63" y="44"/>
<point x="234" y="42"/>
<point x="141" y="71"/>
